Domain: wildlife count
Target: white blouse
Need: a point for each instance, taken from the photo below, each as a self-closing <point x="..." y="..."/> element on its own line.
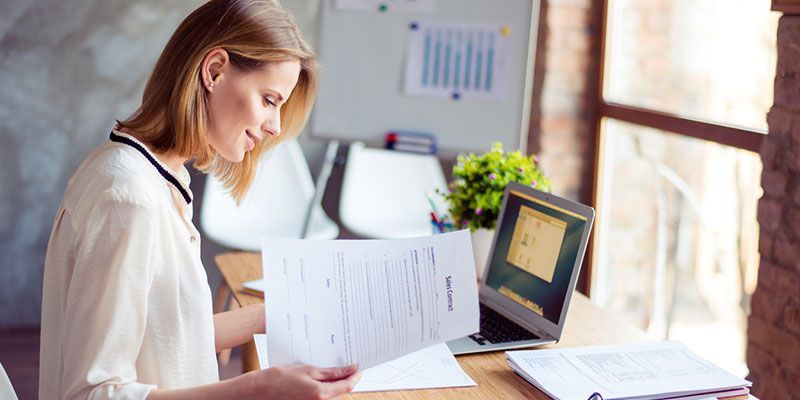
<point x="126" y="305"/>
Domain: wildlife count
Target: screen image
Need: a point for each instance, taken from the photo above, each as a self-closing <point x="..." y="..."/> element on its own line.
<point x="535" y="253"/>
<point x="536" y="242"/>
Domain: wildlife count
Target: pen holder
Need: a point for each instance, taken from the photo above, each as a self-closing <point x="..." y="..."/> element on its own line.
<point x="481" y="243"/>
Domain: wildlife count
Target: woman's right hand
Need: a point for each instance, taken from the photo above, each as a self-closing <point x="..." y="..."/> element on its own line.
<point x="301" y="382"/>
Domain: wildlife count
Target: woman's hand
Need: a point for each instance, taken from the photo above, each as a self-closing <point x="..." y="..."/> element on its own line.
<point x="300" y="382"/>
<point x="294" y="382"/>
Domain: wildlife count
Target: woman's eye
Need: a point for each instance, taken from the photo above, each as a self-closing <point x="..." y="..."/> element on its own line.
<point x="269" y="102"/>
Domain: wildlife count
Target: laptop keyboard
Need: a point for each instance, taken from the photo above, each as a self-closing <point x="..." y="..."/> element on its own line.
<point x="495" y="328"/>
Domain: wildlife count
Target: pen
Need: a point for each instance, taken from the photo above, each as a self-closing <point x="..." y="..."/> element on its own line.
<point x="438" y="222"/>
<point x="433" y="205"/>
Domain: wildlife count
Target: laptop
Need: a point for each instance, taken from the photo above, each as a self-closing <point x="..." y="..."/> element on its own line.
<point x="533" y="265"/>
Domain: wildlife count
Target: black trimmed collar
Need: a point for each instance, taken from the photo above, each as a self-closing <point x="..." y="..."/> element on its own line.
<point x="160" y="168"/>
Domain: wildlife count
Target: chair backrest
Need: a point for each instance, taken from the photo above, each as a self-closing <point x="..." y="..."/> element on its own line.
<point x="275" y="206"/>
<point x="6" y="390"/>
<point x="383" y="192"/>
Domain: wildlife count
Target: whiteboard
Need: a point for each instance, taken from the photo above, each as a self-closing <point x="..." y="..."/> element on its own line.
<point x="363" y="56"/>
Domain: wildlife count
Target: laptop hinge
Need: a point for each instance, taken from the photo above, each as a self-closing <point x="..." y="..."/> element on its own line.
<point x="497" y="308"/>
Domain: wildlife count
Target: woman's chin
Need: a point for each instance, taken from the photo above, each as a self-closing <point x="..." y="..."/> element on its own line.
<point x="234" y="156"/>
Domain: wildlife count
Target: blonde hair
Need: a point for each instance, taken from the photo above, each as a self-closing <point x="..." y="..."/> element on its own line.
<point x="173" y="114"/>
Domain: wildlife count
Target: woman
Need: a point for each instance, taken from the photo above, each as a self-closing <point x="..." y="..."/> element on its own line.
<point x="126" y="309"/>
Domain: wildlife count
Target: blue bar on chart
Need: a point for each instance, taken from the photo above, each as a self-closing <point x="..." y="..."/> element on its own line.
<point x="458" y="61"/>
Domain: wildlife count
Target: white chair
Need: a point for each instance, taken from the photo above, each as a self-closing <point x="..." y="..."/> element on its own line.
<point x="6" y="390"/>
<point x="383" y="192"/>
<point x="276" y="206"/>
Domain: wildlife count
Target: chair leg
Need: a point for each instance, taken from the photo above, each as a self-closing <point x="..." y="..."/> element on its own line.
<point x="222" y="303"/>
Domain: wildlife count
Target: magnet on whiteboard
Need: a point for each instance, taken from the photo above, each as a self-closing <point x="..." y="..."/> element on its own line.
<point x="505" y="31"/>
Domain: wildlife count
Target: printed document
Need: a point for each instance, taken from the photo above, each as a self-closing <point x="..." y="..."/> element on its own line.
<point x="430" y="368"/>
<point x="637" y="371"/>
<point x="339" y="302"/>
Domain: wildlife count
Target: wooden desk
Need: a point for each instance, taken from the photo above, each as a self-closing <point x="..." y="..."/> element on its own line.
<point x="586" y="325"/>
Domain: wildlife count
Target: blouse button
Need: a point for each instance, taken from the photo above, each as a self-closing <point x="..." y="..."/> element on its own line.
<point x="192" y="239"/>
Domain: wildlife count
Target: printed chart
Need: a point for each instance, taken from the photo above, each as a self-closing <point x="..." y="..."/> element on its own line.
<point x="388" y="6"/>
<point x="457" y="61"/>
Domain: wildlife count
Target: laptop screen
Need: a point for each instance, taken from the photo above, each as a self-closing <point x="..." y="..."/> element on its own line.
<point x="534" y="254"/>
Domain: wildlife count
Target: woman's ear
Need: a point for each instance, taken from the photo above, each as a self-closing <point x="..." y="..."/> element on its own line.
<point x="215" y="63"/>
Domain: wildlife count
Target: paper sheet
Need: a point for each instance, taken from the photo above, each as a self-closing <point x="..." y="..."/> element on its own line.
<point x="387" y="6"/>
<point x="433" y="367"/>
<point x="636" y="371"/>
<point x="340" y="302"/>
<point x="459" y="61"/>
<point x="255" y="286"/>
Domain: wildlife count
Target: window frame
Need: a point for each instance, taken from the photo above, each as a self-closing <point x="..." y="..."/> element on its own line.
<point x="728" y="135"/>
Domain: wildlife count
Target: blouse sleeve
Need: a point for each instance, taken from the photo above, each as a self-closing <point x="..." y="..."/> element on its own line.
<point x="107" y="301"/>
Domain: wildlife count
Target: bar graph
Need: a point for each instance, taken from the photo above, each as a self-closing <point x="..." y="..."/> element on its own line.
<point x="457" y="61"/>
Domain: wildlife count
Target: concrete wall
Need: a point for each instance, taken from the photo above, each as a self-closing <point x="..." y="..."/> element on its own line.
<point x="68" y="69"/>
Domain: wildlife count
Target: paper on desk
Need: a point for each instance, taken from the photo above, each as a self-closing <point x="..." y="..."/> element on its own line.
<point x="255" y="285"/>
<point x="636" y="371"/>
<point x="339" y="302"/>
<point x="433" y="367"/>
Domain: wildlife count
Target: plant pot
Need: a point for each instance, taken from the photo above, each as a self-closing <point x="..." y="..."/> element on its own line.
<point x="481" y="243"/>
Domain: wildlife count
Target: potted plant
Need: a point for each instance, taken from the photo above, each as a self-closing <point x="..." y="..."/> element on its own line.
<point x="475" y="194"/>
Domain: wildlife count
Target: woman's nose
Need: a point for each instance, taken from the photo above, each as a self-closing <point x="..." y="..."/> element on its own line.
<point x="272" y="125"/>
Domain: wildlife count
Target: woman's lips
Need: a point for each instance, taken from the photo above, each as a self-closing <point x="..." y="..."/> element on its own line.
<point x="251" y="141"/>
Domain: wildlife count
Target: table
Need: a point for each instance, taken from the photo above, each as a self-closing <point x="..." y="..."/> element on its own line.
<point x="587" y="325"/>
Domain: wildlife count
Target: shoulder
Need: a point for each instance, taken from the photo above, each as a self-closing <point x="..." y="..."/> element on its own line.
<point x="115" y="177"/>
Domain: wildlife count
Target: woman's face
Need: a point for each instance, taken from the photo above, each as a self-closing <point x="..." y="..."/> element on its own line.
<point x="244" y="107"/>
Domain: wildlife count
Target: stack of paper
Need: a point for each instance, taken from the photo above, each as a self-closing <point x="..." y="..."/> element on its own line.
<point x="638" y="371"/>
<point x="434" y="367"/>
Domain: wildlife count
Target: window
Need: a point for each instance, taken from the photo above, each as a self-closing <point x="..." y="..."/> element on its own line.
<point x="685" y="87"/>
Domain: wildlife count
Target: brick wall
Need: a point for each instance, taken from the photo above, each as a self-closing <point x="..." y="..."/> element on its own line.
<point x="567" y="97"/>
<point x="773" y="351"/>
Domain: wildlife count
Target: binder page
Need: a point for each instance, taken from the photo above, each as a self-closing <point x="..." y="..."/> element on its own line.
<point x="636" y="371"/>
<point x="339" y="302"/>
